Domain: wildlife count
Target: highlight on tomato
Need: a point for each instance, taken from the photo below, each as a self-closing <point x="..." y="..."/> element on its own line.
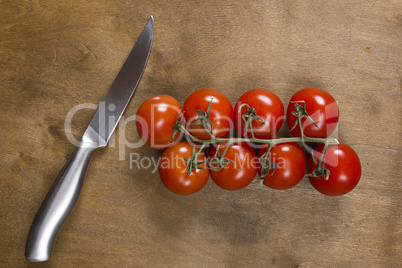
<point x="258" y="111"/>
<point x="238" y="166"/>
<point x="155" y="120"/>
<point x="180" y="172"/>
<point x="339" y="172"/>
<point x="284" y="167"/>
<point x="208" y="111"/>
<point x="318" y="112"/>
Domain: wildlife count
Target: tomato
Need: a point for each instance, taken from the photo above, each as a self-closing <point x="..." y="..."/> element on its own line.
<point x="344" y="166"/>
<point x="322" y="109"/>
<point x="220" y="116"/>
<point x="290" y="165"/>
<point x="267" y="106"/>
<point x="155" y="121"/>
<point x="173" y="169"/>
<point x="237" y="174"/>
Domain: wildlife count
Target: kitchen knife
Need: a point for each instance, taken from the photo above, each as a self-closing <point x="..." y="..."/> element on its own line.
<point x="63" y="195"/>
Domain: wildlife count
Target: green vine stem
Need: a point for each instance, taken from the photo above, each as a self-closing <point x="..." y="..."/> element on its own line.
<point x="321" y="171"/>
<point x="219" y="160"/>
<point x="251" y="115"/>
<point x="266" y="164"/>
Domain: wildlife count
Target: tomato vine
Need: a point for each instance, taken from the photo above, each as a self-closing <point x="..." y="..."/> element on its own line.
<point x="312" y="115"/>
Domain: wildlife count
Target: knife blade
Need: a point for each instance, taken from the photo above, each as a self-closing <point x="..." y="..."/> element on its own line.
<point x="63" y="195"/>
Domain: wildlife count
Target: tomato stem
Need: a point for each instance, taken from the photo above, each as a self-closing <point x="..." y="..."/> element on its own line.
<point x="248" y="117"/>
<point x="321" y="171"/>
<point x="266" y="164"/>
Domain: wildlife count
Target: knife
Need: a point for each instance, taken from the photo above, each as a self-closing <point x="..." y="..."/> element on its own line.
<point x="63" y="195"/>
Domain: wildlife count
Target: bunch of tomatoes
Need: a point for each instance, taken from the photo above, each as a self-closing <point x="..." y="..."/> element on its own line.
<point x="207" y="137"/>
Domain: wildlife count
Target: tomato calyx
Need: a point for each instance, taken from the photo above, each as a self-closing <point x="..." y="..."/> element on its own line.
<point x="203" y="119"/>
<point x="300" y="112"/>
<point x="321" y="171"/>
<point x="248" y="118"/>
<point x="219" y="161"/>
<point x="266" y="165"/>
<point x="192" y="162"/>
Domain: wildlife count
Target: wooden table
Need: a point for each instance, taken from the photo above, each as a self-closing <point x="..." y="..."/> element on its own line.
<point x="56" y="55"/>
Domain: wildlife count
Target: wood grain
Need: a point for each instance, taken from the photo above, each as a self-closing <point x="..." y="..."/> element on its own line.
<point x="59" y="54"/>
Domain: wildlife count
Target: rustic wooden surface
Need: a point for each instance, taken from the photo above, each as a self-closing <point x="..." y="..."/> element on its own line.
<point x="59" y="54"/>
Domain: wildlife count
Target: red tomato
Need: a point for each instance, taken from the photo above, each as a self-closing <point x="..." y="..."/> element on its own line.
<point x="322" y="109"/>
<point x="173" y="170"/>
<point x="267" y="106"/>
<point x="155" y="121"/>
<point x="234" y="176"/>
<point x="343" y="165"/>
<point x="291" y="165"/>
<point x="221" y="113"/>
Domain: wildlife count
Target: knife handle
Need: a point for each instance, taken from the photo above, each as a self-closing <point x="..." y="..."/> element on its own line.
<point x="57" y="206"/>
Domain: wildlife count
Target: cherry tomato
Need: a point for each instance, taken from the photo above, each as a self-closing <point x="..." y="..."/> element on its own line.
<point x="267" y="106"/>
<point x="220" y="116"/>
<point x="290" y="165"/>
<point x="155" y="121"/>
<point x="173" y="169"/>
<point x="321" y="108"/>
<point x="237" y="174"/>
<point x="343" y="165"/>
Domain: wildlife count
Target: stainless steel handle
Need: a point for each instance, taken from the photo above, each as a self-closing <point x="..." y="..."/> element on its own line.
<point x="57" y="206"/>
